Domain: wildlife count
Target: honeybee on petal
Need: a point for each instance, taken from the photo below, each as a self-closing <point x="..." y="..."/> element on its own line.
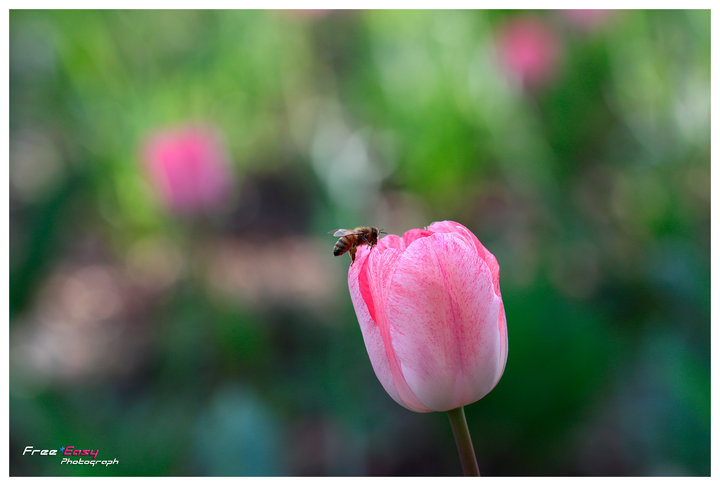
<point x="349" y="240"/>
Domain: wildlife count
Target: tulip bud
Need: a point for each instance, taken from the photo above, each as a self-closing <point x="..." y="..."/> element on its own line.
<point x="188" y="169"/>
<point x="431" y="316"/>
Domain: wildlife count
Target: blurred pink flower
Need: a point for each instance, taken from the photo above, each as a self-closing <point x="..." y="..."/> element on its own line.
<point x="529" y="50"/>
<point x="431" y="315"/>
<point x="189" y="169"/>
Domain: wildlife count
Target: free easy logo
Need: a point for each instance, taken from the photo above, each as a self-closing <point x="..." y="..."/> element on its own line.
<point x="71" y="451"/>
<point x="67" y="451"/>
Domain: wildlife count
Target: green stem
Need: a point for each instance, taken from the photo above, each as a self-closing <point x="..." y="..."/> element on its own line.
<point x="463" y="441"/>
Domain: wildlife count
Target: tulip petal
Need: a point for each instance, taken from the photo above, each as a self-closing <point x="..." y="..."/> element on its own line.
<point x="368" y="278"/>
<point x="448" y="340"/>
<point x="488" y="258"/>
<point x="502" y="328"/>
<point x="414" y="234"/>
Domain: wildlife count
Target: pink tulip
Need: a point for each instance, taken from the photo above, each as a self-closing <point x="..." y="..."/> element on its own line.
<point x="431" y="315"/>
<point x="530" y="51"/>
<point x="188" y="168"/>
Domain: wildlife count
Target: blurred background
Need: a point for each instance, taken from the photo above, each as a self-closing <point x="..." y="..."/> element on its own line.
<point x="174" y="301"/>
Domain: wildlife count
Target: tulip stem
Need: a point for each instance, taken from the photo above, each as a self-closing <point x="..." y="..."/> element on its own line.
<point x="463" y="441"/>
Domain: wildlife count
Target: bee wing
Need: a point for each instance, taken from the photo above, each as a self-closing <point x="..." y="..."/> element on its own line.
<point x="342" y="232"/>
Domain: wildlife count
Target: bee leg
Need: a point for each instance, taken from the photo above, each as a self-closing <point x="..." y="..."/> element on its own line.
<point x="352" y="254"/>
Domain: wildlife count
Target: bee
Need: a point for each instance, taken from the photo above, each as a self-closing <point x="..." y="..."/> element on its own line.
<point x="351" y="239"/>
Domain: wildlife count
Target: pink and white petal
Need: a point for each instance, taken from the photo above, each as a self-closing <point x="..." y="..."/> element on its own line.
<point x="447" y="342"/>
<point x="370" y="331"/>
<point x="444" y="226"/>
<point x="390" y="241"/>
<point x="368" y="279"/>
<point x="386" y="242"/>
<point x="414" y="234"/>
<point x="502" y="358"/>
<point x="488" y="258"/>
